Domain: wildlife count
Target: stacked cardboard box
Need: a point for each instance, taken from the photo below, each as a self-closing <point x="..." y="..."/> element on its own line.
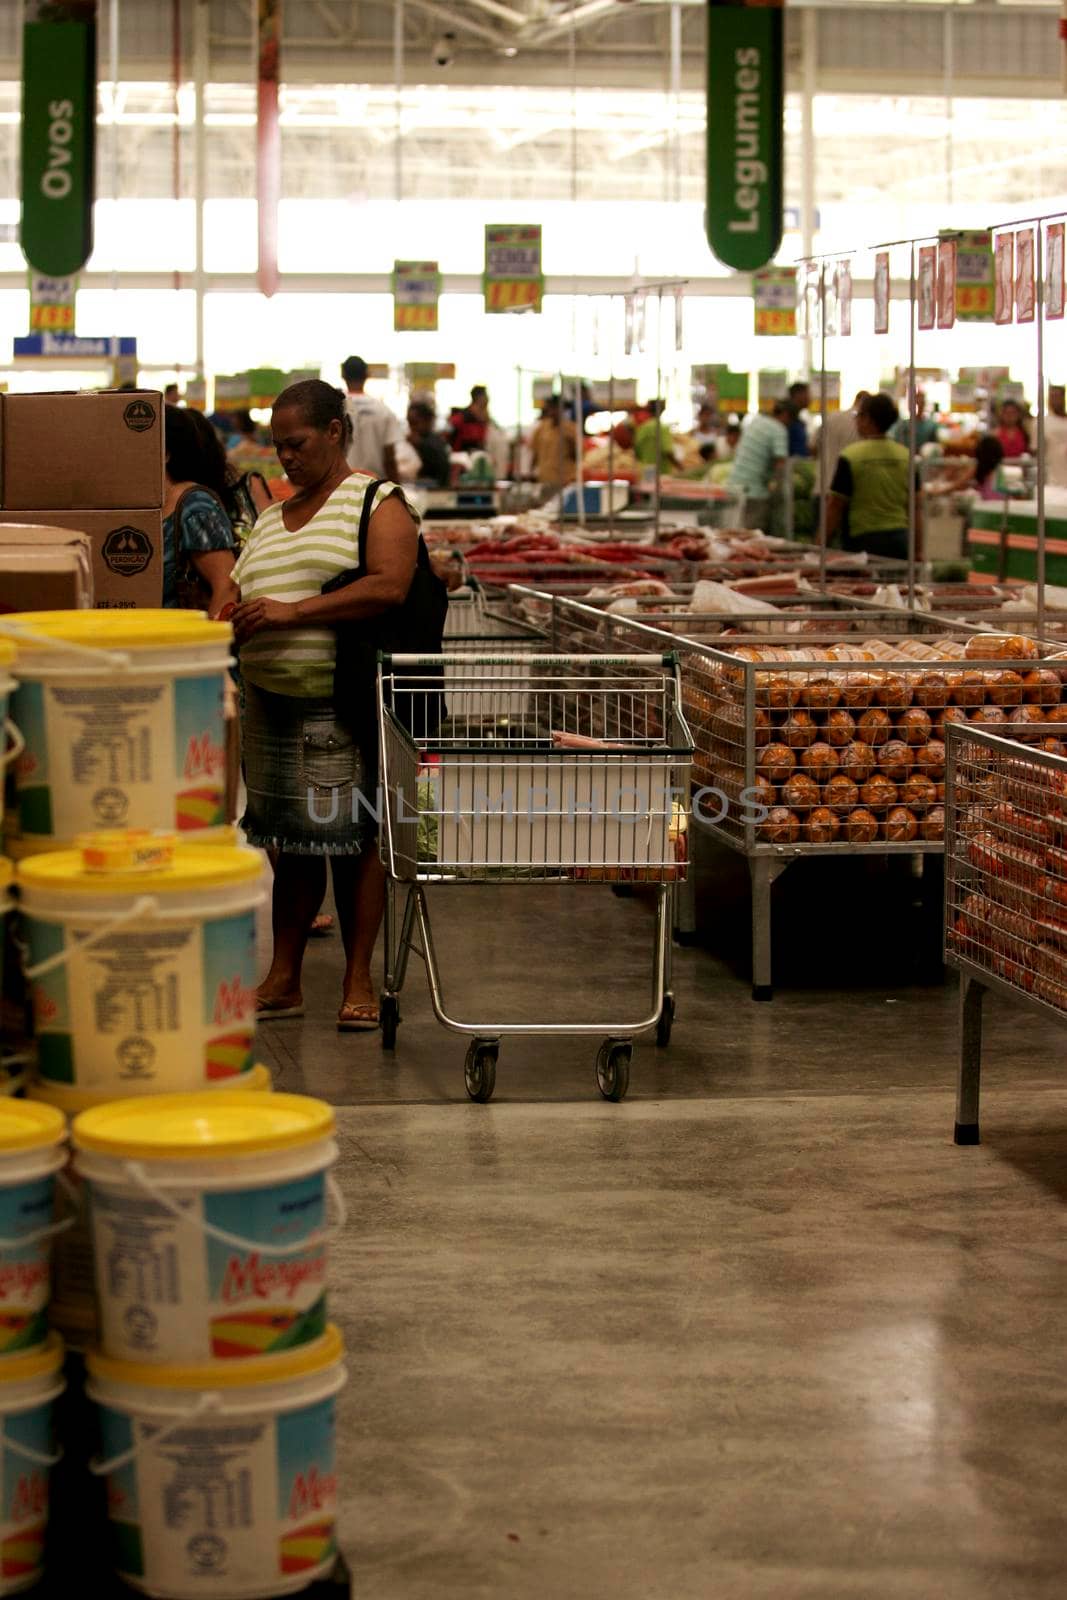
<point x="92" y="464"/>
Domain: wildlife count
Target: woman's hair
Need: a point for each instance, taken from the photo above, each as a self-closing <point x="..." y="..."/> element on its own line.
<point x="1023" y="423"/>
<point x="195" y="453"/>
<point x="320" y="404"/>
<point x="988" y="454"/>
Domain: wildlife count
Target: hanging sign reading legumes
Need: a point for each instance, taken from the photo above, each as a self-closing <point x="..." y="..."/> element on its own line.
<point x="512" y="280"/>
<point x="1004" y="274"/>
<point x="745" y="112"/>
<point x="1054" y="275"/>
<point x="927" y="288"/>
<point x="844" y="298"/>
<point x="774" y="297"/>
<point x="881" y="292"/>
<point x="1024" y="275"/>
<point x="946" y="283"/>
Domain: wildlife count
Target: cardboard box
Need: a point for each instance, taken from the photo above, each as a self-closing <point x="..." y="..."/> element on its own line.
<point x="126" y="546"/>
<point x="44" y="569"/>
<point x="102" y="451"/>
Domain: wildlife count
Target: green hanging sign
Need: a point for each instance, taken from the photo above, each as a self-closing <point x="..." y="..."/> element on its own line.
<point x="58" y="140"/>
<point x="746" y="100"/>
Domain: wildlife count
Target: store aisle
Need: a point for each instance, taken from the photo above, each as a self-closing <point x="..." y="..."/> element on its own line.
<point x="760" y="1333"/>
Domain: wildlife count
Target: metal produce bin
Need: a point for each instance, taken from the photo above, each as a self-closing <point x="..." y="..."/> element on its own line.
<point x="738" y="707"/>
<point x="1005" y="886"/>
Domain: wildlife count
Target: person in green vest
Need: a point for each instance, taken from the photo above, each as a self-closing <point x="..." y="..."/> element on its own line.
<point x="872" y="482"/>
<point x="645" y="438"/>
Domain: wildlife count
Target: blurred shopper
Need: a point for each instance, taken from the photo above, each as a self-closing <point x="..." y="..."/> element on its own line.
<point x="872" y="483"/>
<point x="706" y="431"/>
<point x="926" y="428"/>
<point x="555" y="446"/>
<point x="645" y="438"/>
<point x="171" y="395"/>
<point x="375" y="432"/>
<point x="840" y="429"/>
<point x="199" y="547"/>
<point x="435" y="458"/>
<point x="726" y="441"/>
<point x="1055" y="463"/>
<point x="800" y="400"/>
<point x="468" y="426"/>
<point x="307" y="742"/>
<point x="760" y="460"/>
<point x="1013" y="431"/>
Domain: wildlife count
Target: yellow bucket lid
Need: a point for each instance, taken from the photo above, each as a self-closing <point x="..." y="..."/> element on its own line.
<point x="71" y="1101"/>
<point x="241" y="1373"/>
<point x="40" y="1362"/>
<point x="206" y="1126"/>
<point x="26" y="1126"/>
<point x="8" y="652"/>
<point x="138" y="629"/>
<point x="7" y="872"/>
<point x="140" y="862"/>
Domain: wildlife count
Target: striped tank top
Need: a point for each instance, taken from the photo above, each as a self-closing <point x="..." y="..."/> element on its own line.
<point x="279" y="565"/>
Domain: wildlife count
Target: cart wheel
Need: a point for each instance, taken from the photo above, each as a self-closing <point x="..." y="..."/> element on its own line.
<point x="389" y="1014"/>
<point x="666" y="1021"/>
<point x="479" y="1069"/>
<point x="613" y="1068"/>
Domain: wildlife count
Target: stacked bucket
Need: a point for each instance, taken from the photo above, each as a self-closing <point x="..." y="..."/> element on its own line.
<point x="188" y="1238"/>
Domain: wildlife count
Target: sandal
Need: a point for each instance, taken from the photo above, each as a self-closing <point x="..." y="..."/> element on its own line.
<point x="276" y="1010"/>
<point x="358" y="1017"/>
<point x="321" y="926"/>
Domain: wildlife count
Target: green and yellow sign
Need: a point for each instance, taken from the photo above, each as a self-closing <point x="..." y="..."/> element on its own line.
<point x="746" y="100"/>
<point x="58" y="138"/>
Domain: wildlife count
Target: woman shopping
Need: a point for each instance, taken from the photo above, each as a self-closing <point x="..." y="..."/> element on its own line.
<point x="309" y="760"/>
<point x="199" y="547"/>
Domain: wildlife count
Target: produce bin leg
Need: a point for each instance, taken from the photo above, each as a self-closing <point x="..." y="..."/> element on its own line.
<point x="763" y="871"/>
<point x="685" y="903"/>
<point x="972" y="993"/>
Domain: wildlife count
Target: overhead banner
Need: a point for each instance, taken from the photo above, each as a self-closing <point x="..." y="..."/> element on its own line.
<point x="974" y="276"/>
<point x="52" y="303"/>
<point x="745" y="109"/>
<point x="774" y="297"/>
<point x="1004" y="266"/>
<point x="268" y="141"/>
<point x="416" y="292"/>
<point x="512" y="280"/>
<point x="1054" y="271"/>
<point x="58" y="137"/>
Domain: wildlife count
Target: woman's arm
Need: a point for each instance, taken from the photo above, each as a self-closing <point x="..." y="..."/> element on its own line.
<point x="392" y="548"/>
<point x="214" y="568"/>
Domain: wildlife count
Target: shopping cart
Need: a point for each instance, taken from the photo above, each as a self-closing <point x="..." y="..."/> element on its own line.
<point x="584" y="780"/>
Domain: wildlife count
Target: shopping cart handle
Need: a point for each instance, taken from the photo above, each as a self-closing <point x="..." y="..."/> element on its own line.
<point x="504" y="659"/>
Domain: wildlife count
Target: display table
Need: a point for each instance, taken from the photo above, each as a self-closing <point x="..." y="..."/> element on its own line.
<point x="1002" y="537"/>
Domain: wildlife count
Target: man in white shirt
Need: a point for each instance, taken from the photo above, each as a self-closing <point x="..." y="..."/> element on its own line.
<point x="375" y="431"/>
<point x="1056" y="437"/>
<point x="841" y="429"/>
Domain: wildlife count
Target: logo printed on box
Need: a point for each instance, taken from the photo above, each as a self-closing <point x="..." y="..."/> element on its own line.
<point x="140" y="415"/>
<point x="127" y="551"/>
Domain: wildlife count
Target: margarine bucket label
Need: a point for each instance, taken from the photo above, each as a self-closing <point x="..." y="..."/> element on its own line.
<point x="228" y="1506"/>
<point x="143" y="751"/>
<point x="169" y="1291"/>
<point x="25" y="1269"/>
<point x="24" y="1489"/>
<point x="160" y="1006"/>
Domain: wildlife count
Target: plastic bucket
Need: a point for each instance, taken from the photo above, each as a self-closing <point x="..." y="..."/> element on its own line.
<point x="142" y="964"/>
<point x="221" y="1480"/>
<point x="123" y="717"/>
<point x="73" y="1306"/>
<point x="208" y="1218"/>
<point x="30" y="1385"/>
<point x="11" y="741"/>
<point x="7" y="903"/>
<point x="31" y="1153"/>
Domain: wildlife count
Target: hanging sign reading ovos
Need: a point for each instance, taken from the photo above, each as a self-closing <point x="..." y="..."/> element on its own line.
<point x="927" y="288"/>
<point x="1054" y="275"/>
<point x="881" y="292"/>
<point x="1025" y="294"/>
<point x="745" y="108"/>
<point x="58" y="136"/>
<point x="946" y="283"/>
<point x="1004" y="278"/>
<point x="844" y="298"/>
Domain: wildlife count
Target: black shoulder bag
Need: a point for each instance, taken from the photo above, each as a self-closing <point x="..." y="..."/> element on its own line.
<point x="416" y="627"/>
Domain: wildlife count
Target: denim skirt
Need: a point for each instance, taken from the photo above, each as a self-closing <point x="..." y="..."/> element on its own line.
<point x="304" y="777"/>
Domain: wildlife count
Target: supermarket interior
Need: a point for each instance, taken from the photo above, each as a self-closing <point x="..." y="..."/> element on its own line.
<point x="533" y="856"/>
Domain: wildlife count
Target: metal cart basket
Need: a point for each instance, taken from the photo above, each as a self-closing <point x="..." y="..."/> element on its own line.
<point x="585" y="779"/>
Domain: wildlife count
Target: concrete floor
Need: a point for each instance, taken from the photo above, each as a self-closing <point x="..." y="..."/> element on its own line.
<point x="759" y="1333"/>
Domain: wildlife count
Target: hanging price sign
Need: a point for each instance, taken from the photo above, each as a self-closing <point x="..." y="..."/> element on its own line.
<point x="1025" y="285"/>
<point x="1004" y="270"/>
<point x="844" y="298"/>
<point x="946" y="283"/>
<point x="1054" y="276"/>
<point x="513" y="279"/>
<point x="416" y="292"/>
<point x="974" y="276"/>
<point x="52" y="303"/>
<point x="774" y="293"/>
<point x="927" y="288"/>
<point x="881" y="292"/>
